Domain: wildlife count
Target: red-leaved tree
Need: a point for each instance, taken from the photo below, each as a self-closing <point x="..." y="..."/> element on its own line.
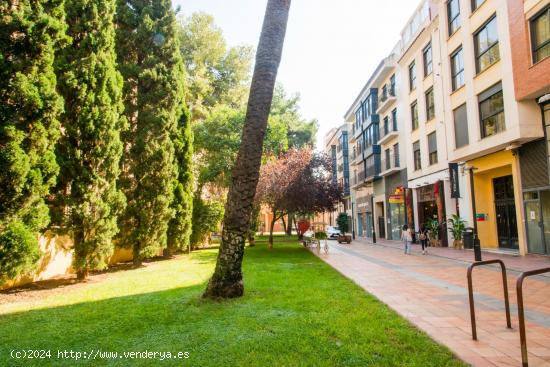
<point x="297" y="182"/>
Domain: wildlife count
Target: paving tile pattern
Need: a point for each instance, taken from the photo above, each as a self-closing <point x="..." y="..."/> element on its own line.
<point x="431" y="292"/>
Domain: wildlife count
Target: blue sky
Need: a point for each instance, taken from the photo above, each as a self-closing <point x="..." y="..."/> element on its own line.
<point x="331" y="47"/>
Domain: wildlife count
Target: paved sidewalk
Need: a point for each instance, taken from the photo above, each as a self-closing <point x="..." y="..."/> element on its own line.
<point x="431" y="291"/>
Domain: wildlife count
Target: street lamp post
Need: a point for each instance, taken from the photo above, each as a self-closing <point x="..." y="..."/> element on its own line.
<point x="477" y="245"/>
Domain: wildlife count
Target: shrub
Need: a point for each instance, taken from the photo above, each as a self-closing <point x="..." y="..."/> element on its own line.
<point x="19" y="251"/>
<point x="321" y="235"/>
<point x="207" y="216"/>
<point x="343" y="223"/>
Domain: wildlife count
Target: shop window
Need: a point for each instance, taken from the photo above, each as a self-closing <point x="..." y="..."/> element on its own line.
<point x="491" y="110"/>
<point x="416" y="156"/>
<point x="486" y="45"/>
<point x="540" y="35"/>
<point x="432" y="148"/>
<point x="461" y="126"/>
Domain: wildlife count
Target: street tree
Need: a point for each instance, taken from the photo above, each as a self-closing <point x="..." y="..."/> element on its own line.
<point x="227" y="280"/>
<point x="216" y="74"/>
<point x="298" y="182"/>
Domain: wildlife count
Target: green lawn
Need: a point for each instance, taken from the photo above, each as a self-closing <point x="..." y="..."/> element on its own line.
<point x="297" y="311"/>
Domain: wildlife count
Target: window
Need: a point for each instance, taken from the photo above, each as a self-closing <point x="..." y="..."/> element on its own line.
<point x="432" y="148"/>
<point x="457" y="69"/>
<point x="461" y="126"/>
<point x="486" y="45"/>
<point x="416" y="156"/>
<point x="453" y="15"/>
<point x="394" y="119"/>
<point x="540" y="35"/>
<point x="430" y="104"/>
<point x="476" y="4"/>
<point x="386" y="125"/>
<point x="414" y="115"/>
<point x="412" y="76"/>
<point x="427" y="56"/>
<point x="388" y="158"/>
<point x="396" y="154"/>
<point x="491" y="110"/>
<point x="392" y="85"/>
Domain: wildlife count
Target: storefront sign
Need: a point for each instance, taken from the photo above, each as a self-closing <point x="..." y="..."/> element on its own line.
<point x="453" y="175"/>
<point x="481" y="217"/>
<point x="398" y="196"/>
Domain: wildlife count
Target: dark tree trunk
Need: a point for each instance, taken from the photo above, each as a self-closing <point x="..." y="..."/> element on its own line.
<point x="284" y="222"/>
<point x="289" y="227"/>
<point x="136" y="258"/>
<point x="227" y="281"/>
<point x="273" y="220"/>
<point x="251" y="239"/>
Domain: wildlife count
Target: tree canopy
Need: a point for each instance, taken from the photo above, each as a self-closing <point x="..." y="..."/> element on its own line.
<point x="297" y="182"/>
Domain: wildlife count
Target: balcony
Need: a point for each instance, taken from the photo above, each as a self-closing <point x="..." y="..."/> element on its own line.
<point x="358" y="181"/>
<point x="391" y="165"/>
<point x="386" y="99"/>
<point x="373" y="168"/>
<point x="388" y="131"/>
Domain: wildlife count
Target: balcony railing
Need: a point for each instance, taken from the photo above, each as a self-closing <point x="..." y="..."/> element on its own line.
<point x="387" y="94"/>
<point x="391" y="164"/>
<point x="387" y="130"/>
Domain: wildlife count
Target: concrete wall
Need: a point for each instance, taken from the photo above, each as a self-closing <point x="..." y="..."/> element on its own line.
<point x="57" y="260"/>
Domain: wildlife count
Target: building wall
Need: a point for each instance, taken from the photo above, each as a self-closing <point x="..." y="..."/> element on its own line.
<point x="530" y="80"/>
<point x="57" y="260"/>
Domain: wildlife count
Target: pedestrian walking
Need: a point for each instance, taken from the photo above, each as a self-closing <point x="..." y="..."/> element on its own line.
<point x="423" y="237"/>
<point x="406" y="236"/>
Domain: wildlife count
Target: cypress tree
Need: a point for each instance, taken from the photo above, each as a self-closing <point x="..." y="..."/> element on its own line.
<point x="151" y="64"/>
<point x="179" y="228"/>
<point x="30" y="106"/>
<point x="91" y="148"/>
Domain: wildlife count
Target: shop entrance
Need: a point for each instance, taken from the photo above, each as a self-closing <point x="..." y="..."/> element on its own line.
<point x="505" y="209"/>
<point x="381" y="220"/>
<point x="537" y="216"/>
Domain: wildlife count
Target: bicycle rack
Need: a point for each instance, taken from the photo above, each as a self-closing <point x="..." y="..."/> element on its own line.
<point x="521" y="313"/>
<point x="471" y="293"/>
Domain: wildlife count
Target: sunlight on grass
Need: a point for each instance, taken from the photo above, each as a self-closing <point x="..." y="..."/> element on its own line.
<point x="156" y="276"/>
<point x="296" y="311"/>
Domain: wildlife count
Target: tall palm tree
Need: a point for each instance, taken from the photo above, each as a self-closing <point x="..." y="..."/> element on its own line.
<point x="227" y="281"/>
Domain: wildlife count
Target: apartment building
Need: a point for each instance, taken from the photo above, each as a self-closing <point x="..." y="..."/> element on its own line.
<point x="464" y="92"/>
<point x="336" y="147"/>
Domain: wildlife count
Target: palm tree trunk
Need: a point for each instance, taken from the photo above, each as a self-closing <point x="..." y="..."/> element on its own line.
<point x="227" y="281"/>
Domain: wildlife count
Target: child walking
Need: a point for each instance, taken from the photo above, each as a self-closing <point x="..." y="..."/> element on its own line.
<point x="406" y="236"/>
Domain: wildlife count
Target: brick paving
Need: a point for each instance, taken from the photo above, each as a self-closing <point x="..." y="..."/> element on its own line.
<point x="431" y="292"/>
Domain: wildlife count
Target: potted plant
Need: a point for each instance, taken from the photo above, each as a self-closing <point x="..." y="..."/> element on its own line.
<point x="433" y="227"/>
<point x="343" y="225"/>
<point x="457" y="227"/>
